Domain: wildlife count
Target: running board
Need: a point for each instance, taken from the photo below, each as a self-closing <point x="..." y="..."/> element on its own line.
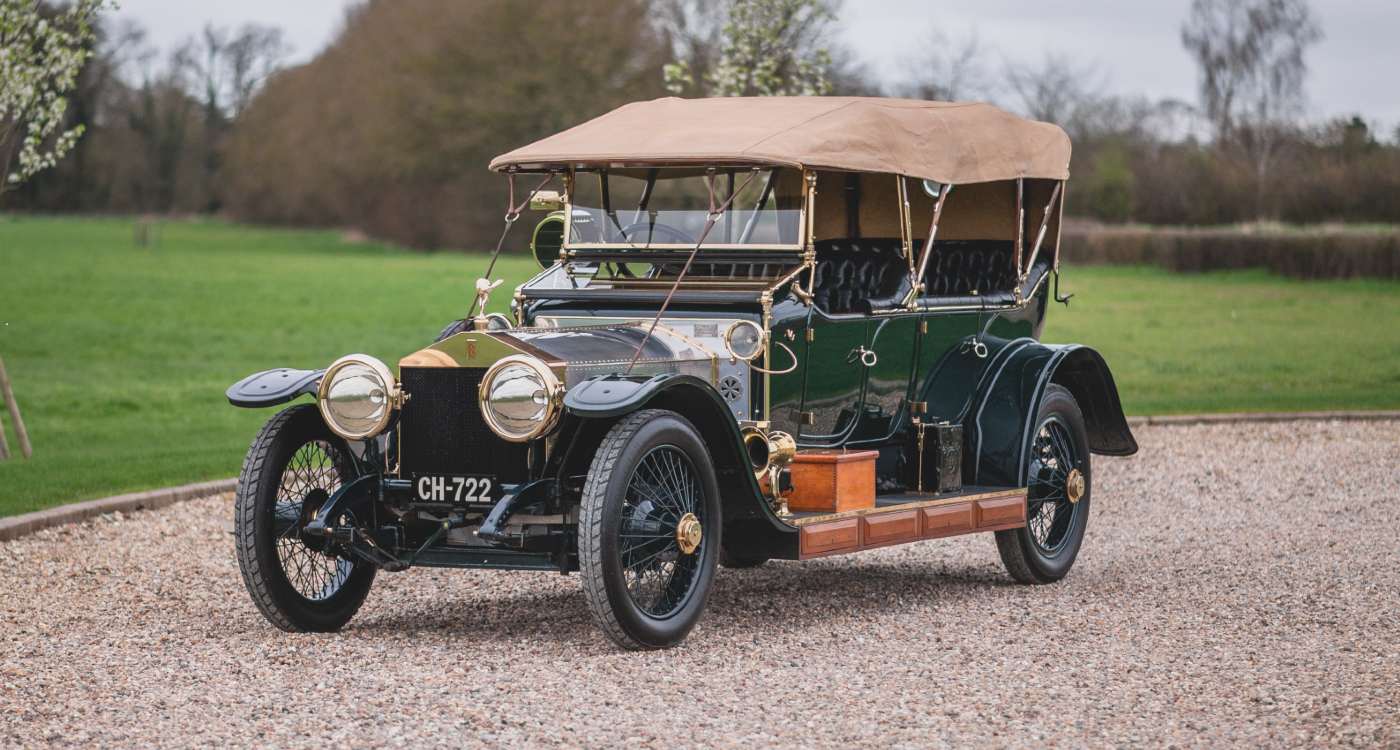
<point x="868" y="528"/>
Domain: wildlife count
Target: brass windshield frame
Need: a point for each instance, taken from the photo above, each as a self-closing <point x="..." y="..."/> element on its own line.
<point x="803" y="238"/>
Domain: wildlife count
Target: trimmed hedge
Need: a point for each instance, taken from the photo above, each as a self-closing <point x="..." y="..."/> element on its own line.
<point x="1303" y="253"/>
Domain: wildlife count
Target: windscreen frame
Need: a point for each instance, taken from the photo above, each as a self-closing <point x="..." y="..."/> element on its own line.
<point x="723" y="175"/>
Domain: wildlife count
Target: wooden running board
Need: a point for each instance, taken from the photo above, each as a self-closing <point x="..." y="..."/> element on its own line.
<point x="868" y="528"/>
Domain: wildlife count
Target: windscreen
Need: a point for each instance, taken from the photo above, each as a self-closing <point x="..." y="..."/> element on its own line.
<point x="668" y="208"/>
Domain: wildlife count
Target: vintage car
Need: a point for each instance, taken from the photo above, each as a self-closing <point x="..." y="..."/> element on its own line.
<point x="765" y="329"/>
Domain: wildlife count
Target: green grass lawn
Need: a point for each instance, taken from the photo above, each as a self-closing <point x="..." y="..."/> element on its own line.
<point x="120" y="355"/>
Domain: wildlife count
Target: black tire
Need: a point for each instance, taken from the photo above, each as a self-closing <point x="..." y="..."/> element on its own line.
<point x="623" y="490"/>
<point x="453" y="328"/>
<point x="739" y="561"/>
<point x="1043" y="551"/>
<point x="294" y="463"/>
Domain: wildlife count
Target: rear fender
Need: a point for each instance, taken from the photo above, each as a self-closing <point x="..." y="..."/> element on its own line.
<point x="1000" y="426"/>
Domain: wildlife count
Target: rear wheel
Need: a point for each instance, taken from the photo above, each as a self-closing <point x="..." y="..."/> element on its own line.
<point x="293" y="466"/>
<point x="1058" y="489"/>
<point x="649" y="530"/>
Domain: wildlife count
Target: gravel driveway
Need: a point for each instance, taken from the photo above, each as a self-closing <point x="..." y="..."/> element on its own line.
<point x="1239" y="584"/>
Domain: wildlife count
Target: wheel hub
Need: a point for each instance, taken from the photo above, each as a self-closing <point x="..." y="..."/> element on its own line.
<point x="1074" y="485"/>
<point x="309" y="505"/>
<point x="688" y="533"/>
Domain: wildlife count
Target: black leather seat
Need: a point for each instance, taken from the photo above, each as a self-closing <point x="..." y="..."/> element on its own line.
<point x="858" y="276"/>
<point x="970" y="267"/>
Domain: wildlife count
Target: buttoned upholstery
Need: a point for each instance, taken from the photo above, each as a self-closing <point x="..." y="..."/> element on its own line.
<point x="858" y="276"/>
<point x="967" y="267"/>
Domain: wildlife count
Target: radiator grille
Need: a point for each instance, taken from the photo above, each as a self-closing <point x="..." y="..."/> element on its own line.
<point x="441" y="430"/>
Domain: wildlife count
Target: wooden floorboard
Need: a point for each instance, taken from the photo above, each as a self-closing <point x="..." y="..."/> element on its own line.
<point x="888" y="504"/>
<point x="909" y="519"/>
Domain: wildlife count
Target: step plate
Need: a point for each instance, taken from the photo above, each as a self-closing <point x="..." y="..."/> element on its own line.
<point x="868" y="528"/>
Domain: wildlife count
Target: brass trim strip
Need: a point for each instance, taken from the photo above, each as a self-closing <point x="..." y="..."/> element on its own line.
<point x="525" y="347"/>
<point x="756" y="285"/>
<point x="914" y="505"/>
<point x="678" y="246"/>
<point x="963" y="308"/>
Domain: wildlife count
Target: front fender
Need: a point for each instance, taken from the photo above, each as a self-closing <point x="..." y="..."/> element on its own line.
<point x="748" y="518"/>
<point x="1001" y="425"/>
<point x="616" y="395"/>
<point x="272" y="387"/>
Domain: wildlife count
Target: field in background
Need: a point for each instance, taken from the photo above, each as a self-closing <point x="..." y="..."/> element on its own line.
<point x="1321" y="251"/>
<point x="120" y="354"/>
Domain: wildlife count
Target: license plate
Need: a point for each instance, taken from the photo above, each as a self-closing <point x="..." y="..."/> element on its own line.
<point x="458" y="490"/>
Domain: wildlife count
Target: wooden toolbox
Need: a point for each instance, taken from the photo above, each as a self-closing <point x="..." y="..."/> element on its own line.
<point x="833" y="480"/>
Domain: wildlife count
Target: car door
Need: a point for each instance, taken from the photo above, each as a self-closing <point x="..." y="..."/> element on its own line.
<point x="944" y="352"/>
<point x="893" y="343"/>
<point x="831" y="396"/>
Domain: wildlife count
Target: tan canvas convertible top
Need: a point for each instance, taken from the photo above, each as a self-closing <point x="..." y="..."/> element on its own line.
<point x="955" y="143"/>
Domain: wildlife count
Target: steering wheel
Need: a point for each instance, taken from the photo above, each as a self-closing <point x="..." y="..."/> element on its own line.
<point x="657" y="232"/>
<point x="661" y="232"/>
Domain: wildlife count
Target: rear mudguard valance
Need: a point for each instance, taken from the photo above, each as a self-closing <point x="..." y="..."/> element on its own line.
<point x="272" y="387"/>
<point x="1001" y="423"/>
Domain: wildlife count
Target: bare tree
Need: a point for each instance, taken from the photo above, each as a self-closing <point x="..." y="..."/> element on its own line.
<point x="944" y="69"/>
<point x="224" y="68"/>
<point x="1252" y="60"/>
<point x="253" y="54"/>
<point x="1056" y="90"/>
<point x="1139" y="118"/>
<point x="850" y="75"/>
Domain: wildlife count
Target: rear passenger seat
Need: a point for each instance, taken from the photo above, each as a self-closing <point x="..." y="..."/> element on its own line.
<point x="858" y="276"/>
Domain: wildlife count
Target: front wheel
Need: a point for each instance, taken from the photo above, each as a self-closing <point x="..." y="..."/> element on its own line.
<point x="294" y="465"/>
<point x="649" y="530"/>
<point x="1057" y="500"/>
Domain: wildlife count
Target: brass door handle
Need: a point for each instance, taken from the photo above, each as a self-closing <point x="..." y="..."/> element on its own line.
<point x="867" y="357"/>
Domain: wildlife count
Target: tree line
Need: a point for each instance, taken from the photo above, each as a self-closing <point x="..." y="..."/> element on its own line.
<point x="389" y="128"/>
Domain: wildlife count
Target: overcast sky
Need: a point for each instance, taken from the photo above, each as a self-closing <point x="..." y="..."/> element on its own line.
<point x="1134" y="42"/>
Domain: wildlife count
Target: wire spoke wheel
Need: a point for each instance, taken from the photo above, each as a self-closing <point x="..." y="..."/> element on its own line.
<point x="296" y="580"/>
<point x="311" y="476"/>
<point x="1050" y="505"/>
<point x="662" y="499"/>
<point x="1057" y="476"/>
<point x="650" y="530"/>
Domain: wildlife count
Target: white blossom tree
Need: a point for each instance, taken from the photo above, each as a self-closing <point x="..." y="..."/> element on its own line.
<point x="766" y="48"/>
<point x="42" y="50"/>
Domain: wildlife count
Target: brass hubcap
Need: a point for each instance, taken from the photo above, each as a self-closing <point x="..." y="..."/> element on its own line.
<point x="688" y="533"/>
<point x="1074" y="485"/>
